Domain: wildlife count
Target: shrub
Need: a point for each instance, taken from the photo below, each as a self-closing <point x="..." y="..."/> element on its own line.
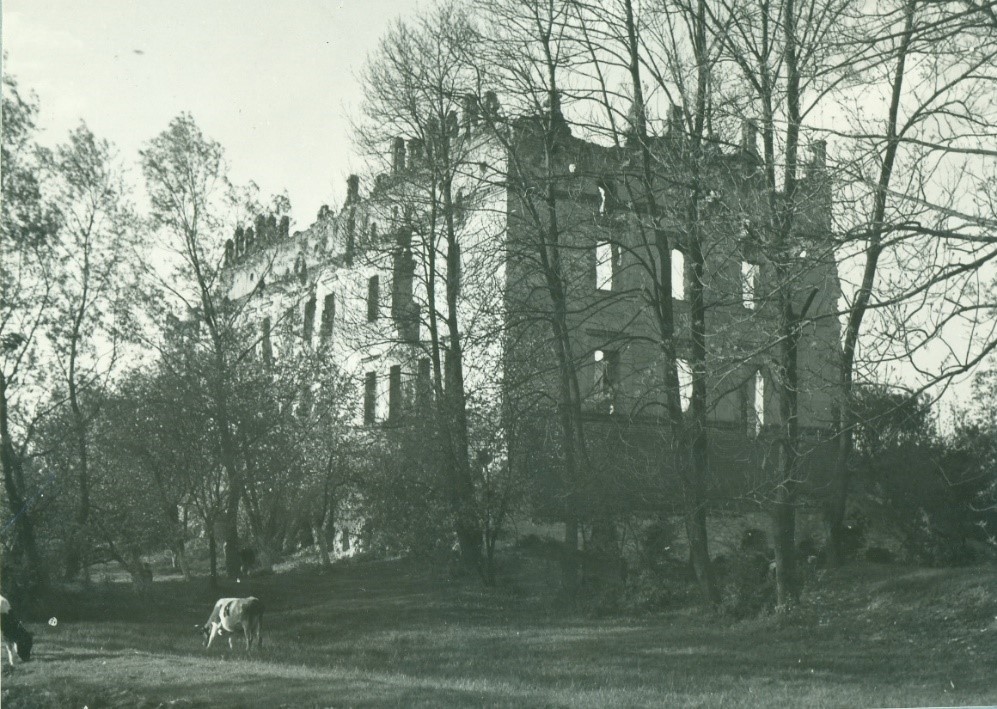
<point x="747" y="586"/>
<point x="657" y="578"/>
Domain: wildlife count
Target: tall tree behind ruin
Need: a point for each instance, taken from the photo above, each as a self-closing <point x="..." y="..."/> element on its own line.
<point x="189" y="190"/>
<point x="777" y="50"/>
<point x="416" y="90"/>
<point x="667" y="53"/>
<point x="528" y="54"/>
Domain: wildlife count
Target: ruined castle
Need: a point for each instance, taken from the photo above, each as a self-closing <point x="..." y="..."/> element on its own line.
<point x="358" y="284"/>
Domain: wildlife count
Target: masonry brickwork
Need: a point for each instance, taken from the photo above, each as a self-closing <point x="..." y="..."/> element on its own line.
<point x="355" y="284"/>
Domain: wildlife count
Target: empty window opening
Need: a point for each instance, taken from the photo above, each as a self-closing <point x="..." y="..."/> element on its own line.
<point x="759" y="401"/>
<point x="370" y="398"/>
<point x="424" y="383"/>
<point x="383" y="398"/>
<point x="608" y="262"/>
<point x="607" y="379"/>
<point x="685" y="383"/>
<point x="608" y="201"/>
<point x="309" y="323"/>
<point x="749" y="284"/>
<point x="328" y="317"/>
<point x="373" y="295"/>
<point x="678" y="275"/>
<point x="394" y="393"/>
<point x="604" y="266"/>
<point x="267" y="344"/>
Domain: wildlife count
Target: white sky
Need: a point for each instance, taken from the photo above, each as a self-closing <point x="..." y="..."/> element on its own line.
<point x="273" y="82"/>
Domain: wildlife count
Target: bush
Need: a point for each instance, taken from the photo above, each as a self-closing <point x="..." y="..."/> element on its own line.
<point x="933" y="542"/>
<point x="657" y="579"/>
<point x="747" y="587"/>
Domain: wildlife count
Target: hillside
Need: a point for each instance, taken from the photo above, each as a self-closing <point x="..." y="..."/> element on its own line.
<point x="393" y="633"/>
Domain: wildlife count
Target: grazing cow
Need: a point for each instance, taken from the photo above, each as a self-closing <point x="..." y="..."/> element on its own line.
<point x="231" y="614"/>
<point x="14" y="634"/>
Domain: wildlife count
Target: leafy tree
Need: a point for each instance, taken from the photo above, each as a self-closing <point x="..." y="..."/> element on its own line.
<point x="26" y="227"/>
<point x="191" y="200"/>
<point x="927" y="492"/>
<point x="89" y="314"/>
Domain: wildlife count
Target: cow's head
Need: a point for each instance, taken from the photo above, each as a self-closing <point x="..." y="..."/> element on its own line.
<point x="24" y="644"/>
<point x="205" y="631"/>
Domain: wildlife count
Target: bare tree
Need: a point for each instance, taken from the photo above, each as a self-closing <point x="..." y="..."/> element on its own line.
<point x="527" y="57"/>
<point x="905" y="172"/>
<point x="778" y="51"/>
<point x="436" y="237"/>
<point x="679" y="178"/>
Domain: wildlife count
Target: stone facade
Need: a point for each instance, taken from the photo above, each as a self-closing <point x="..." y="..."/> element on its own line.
<point x="357" y="282"/>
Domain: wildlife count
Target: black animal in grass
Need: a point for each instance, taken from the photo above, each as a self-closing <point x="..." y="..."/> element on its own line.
<point x="231" y="615"/>
<point x="15" y="635"/>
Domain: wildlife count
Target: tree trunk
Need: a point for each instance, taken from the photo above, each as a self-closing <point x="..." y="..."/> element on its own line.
<point x="79" y="545"/>
<point x="469" y="533"/>
<point x="569" y="559"/>
<point x="699" y="552"/>
<point x="212" y="556"/>
<point x="13" y="479"/>
<point x="232" y="546"/>
<point x="322" y="545"/>
<point x="784" y="543"/>
<point x="856" y="313"/>
<point x="182" y="563"/>
<point x="230" y="516"/>
<point x="784" y="507"/>
<point x="690" y="459"/>
<point x="839" y="495"/>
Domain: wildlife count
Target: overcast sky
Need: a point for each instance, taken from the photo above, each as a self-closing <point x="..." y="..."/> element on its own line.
<point x="273" y="82"/>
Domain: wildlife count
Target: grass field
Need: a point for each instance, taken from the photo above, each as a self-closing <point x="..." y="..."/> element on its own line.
<point x="395" y="633"/>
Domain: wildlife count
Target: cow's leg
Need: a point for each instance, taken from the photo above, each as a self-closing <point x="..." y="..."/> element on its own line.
<point x="230" y="640"/>
<point x="214" y="632"/>
<point x="10" y="655"/>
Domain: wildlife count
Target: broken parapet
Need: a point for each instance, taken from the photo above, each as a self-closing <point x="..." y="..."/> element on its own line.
<point x="398" y="156"/>
<point x="490" y="106"/>
<point x="749" y="137"/>
<point x="352" y="190"/>
<point x="415" y="149"/>
<point x="818" y="160"/>
<point x="271" y="232"/>
<point x="469" y="109"/>
<point x="261" y="228"/>
<point x="248" y="240"/>
<point x="676" y="131"/>
<point x="410" y="154"/>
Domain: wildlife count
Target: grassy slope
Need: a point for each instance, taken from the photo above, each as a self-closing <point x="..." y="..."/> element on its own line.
<point x="392" y="633"/>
